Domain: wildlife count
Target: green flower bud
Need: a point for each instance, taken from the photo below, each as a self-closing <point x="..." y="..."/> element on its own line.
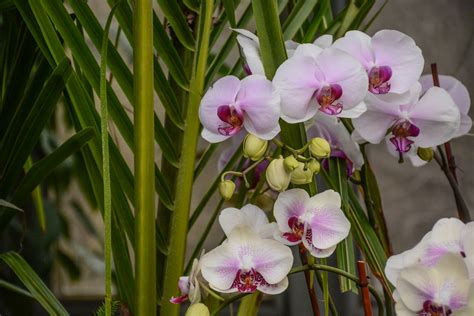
<point x="301" y="175"/>
<point x="319" y="147"/>
<point x="254" y="147"/>
<point x="291" y="163"/>
<point x="226" y="189"/>
<point x="314" y="165"/>
<point x="278" y="178"/>
<point x="198" y="309"/>
<point x="425" y="154"/>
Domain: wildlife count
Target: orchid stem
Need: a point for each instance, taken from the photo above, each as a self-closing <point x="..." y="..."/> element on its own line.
<point x="363" y="282"/>
<point x="309" y="286"/>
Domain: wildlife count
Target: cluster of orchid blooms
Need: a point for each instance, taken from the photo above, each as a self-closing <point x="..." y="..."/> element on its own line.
<point x="354" y="90"/>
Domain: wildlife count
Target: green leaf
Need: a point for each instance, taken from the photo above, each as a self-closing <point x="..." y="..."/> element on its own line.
<point x="192" y="5"/>
<point x="33" y="283"/>
<point x="14" y="288"/>
<point x="6" y="5"/>
<point x="10" y="205"/>
<point x="37" y="199"/>
<point x="297" y="17"/>
<point x="311" y="31"/>
<point x="229" y="8"/>
<point x="178" y="22"/>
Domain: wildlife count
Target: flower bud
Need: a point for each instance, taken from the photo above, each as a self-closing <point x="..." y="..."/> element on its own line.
<point x="319" y="147"/>
<point x="226" y="189"/>
<point x="301" y="175"/>
<point x="198" y="309"/>
<point x="314" y="165"/>
<point x="254" y="147"/>
<point x="425" y="154"/>
<point x="291" y="163"/>
<point x="278" y="178"/>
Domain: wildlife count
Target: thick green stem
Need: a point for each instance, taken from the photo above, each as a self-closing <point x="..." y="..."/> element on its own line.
<point x="179" y="226"/>
<point x="145" y="261"/>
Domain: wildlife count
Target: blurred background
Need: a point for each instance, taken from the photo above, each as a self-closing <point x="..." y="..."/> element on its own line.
<point x="69" y="257"/>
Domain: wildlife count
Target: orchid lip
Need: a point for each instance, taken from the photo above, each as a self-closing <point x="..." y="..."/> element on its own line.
<point x="432" y="309"/>
<point x="401" y="131"/>
<point x="297" y="230"/>
<point x="327" y="97"/>
<point x="378" y="79"/>
<point x="248" y="281"/>
<point x="232" y="118"/>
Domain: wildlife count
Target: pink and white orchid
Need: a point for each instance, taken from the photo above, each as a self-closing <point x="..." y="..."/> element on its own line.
<point x="315" y="79"/>
<point x="410" y="120"/>
<point x="250" y="49"/>
<point x="245" y="263"/>
<point x="460" y="96"/>
<point x="189" y="286"/>
<point x="232" y="104"/>
<point x="442" y="290"/>
<point x="342" y="145"/>
<point x="249" y="215"/>
<point x="392" y="60"/>
<point x="318" y="222"/>
<point x="448" y="236"/>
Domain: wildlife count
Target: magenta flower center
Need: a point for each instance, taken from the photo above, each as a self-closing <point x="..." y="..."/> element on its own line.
<point x="378" y="79"/>
<point x="327" y="97"/>
<point x="247" y="282"/>
<point x="297" y="230"/>
<point x="232" y="118"/>
<point x="432" y="309"/>
<point x="401" y="131"/>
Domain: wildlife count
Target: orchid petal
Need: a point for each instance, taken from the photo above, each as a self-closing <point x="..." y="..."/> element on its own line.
<point x="250" y="216"/>
<point x="290" y="203"/>
<point x="399" y="52"/>
<point x="445" y="238"/>
<point x="272" y="260"/>
<point x="251" y="50"/>
<point x="220" y="266"/>
<point x="324" y="41"/>
<point x="296" y="83"/>
<point x="358" y="45"/>
<point x="223" y="92"/>
<point x="261" y="105"/>
<point x="355" y="111"/>
<point x="274" y="289"/>
<point x="308" y="50"/>
<point x="329" y="225"/>
<point x="327" y="198"/>
<point x="313" y="250"/>
<point x="436" y="116"/>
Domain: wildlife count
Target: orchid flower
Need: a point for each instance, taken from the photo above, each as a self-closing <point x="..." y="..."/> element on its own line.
<point x="460" y="96"/>
<point x="441" y="290"/>
<point x="392" y="60"/>
<point x="448" y="236"/>
<point x="250" y="48"/>
<point x="189" y="286"/>
<point x="250" y="216"/>
<point x="425" y="122"/>
<point x="328" y="80"/>
<point x="342" y="145"/>
<point x="232" y="104"/>
<point x="246" y="263"/>
<point x="318" y="222"/>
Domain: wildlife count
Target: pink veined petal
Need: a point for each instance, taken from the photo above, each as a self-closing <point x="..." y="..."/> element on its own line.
<point x="358" y="45"/>
<point x="274" y="289"/>
<point x="445" y="238"/>
<point x="296" y="83"/>
<point x="213" y="137"/>
<point x="324" y="199"/>
<point x="338" y="67"/>
<point x="324" y="41"/>
<point x="399" y="52"/>
<point x="290" y="203"/>
<point x="454" y="282"/>
<point x="261" y="105"/>
<point x="415" y="285"/>
<point x="329" y="225"/>
<point x="313" y="250"/>
<point x="219" y="266"/>
<point x="251" y="50"/>
<point x="272" y="260"/>
<point x="308" y="50"/>
<point x="254" y="215"/>
<point x="460" y="96"/>
<point x="436" y="116"/>
<point x="223" y="92"/>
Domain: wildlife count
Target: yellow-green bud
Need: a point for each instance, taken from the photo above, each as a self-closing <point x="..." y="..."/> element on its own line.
<point x="291" y="163"/>
<point x="314" y="166"/>
<point x="226" y="189"/>
<point x="278" y="178"/>
<point x="319" y="147"/>
<point x="301" y="175"/>
<point x="198" y="309"/>
<point x="425" y="154"/>
<point x="254" y="147"/>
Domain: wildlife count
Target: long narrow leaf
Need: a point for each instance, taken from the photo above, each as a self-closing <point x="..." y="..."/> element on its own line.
<point x="297" y="17"/>
<point x="177" y="20"/>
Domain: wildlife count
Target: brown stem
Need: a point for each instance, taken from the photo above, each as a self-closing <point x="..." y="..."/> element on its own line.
<point x="364" y="283"/>
<point x="309" y="286"/>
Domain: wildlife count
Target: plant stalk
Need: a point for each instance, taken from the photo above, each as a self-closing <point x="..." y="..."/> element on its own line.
<point x="145" y="261"/>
